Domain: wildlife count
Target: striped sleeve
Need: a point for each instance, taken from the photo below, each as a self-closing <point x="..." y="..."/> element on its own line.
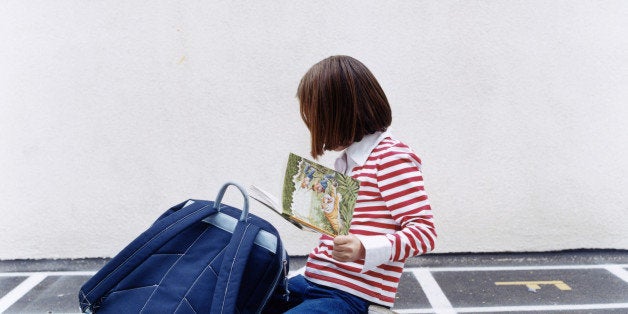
<point x="400" y="181"/>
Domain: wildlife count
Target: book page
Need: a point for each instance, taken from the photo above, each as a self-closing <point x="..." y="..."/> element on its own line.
<point x="318" y="197"/>
<point x="272" y="202"/>
<point x="265" y="198"/>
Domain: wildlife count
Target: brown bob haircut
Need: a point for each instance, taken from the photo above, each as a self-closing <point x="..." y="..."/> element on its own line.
<point x="341" y="102"/>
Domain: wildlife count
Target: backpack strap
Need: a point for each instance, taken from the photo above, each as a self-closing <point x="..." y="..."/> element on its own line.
<point x="177" y="219"/>
<point x="232" y="267"/>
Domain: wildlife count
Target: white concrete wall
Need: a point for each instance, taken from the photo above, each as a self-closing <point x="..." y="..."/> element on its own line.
<point x="112" y="111"/>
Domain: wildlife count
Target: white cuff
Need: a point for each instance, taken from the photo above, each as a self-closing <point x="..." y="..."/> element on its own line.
<point x="377" y="251"/>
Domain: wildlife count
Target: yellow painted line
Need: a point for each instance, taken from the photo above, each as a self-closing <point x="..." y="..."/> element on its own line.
<point x="536" y="285"/>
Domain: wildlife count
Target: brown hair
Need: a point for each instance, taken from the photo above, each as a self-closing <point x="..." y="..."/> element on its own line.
<point x="341" y="102"/>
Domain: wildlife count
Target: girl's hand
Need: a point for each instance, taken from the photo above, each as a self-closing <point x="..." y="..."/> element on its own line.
<point x="347" y="248"/>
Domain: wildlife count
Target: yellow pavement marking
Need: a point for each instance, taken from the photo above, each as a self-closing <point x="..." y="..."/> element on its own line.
<point x="535" y="285"/>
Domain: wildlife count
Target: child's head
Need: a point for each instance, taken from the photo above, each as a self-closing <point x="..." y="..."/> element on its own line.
<point x="341" y="102"/>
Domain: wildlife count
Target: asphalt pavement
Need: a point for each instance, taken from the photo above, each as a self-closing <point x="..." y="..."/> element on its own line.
<point x="579" y="281"/>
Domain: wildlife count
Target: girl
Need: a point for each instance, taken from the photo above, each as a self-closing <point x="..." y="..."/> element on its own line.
<point x="344" y="108"/>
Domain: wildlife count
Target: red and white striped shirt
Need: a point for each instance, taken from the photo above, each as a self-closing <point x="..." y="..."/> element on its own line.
<point x="392" y="218"/>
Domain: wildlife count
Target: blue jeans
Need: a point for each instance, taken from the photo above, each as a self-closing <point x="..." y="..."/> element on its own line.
<point x="308" y="297"/>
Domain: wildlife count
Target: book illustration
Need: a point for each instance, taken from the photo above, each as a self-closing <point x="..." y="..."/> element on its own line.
<point x="314" y="197"/>
<point x="319" y="196"/>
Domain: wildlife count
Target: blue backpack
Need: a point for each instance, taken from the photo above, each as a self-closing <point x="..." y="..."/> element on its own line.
<point x="198" y="257"/>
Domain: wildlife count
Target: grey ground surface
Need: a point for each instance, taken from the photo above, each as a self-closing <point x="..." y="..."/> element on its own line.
<point x="582" y="281"/>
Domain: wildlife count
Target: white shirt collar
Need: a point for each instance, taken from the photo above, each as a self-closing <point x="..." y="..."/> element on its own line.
<point x="357" y="153"/>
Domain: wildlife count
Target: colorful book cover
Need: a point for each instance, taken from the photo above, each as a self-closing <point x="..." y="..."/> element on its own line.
<point x="314" y="197"/>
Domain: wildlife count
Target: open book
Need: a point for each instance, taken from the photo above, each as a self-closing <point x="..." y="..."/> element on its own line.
<point x="314" y="197"/>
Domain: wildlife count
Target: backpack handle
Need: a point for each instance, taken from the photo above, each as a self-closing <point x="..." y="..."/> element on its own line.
<point x="221" y="193"/>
